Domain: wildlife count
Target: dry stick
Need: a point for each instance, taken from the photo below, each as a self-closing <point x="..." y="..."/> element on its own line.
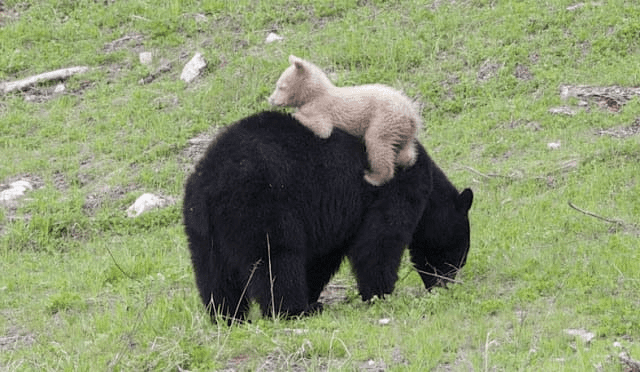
<point x="273" y="305"/>
<point x="487" y="343"/>
<point x="617" y="222"/>
<point x="440" y="277"/>
<point x="113" y="363"/>
<point x="488" y="176"/>
<point x="32" y="80"/>
<point x="120" y="268"/>
<point x="235" y="313"/>
<point x="244" y="290"/>
<point x="475" y="171"/>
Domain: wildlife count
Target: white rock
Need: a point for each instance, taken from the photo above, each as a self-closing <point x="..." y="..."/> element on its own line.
<point x="16" y="189"/>
<point x="193" y="68"/>
<point x="295" y="331"/>
<point x="584" y="335"/>
<point x="273" y="37"/>
<point x="575" y="6"/>
<point x="564" y="110"/>
<point x="199" y="17"/>
<point x="60" y="88"/>
<point x="553" y="145"/>
<point x="146" y="58"/>
<point x="384" y="321"/>
<point x="144" y="203"/>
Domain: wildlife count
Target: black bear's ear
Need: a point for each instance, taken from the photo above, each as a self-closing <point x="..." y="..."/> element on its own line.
<point x="463" y="203"/>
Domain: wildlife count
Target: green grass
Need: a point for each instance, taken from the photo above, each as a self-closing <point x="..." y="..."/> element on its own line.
<point x="83" y="287"/>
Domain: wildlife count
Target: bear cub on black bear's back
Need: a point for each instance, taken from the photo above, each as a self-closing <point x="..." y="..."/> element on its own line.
<point x="383" y="117"/>
<point x="270" y="202"/>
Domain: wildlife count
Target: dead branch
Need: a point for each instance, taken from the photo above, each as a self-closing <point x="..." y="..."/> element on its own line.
<point x="120" y="268"/>
<point x="271" y="279"/>
<point x="490" y="175"/>
<point x="634" y="365"/>
<point x="443" y="278"/>
<point x="472" y="170"/>
<point x="617" y="222"/>
<point x="61" y="74"/>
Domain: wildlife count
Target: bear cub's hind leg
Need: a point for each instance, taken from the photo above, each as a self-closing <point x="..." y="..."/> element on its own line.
<point x="407" y="155"/>
<point x="381" y="156"/>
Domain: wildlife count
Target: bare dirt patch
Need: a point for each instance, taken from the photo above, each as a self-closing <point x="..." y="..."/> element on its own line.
<point x="131" y="41"/>
<point x="8" y="15"/>
<point x="104" y="193"/>
<point x="334" y="292"/>
<point x="488" y="70"/>
<point x="196" y="148"/>
<point x="15" y="338"/>
<point x="623" y="131"/>
<point x="518" y="123"/>
<point x="611" y="98"/>
<point x="522" y="72"/>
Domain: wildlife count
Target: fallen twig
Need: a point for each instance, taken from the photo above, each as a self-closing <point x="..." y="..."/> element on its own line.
<point x="61" y="74"/>
<point x="441" y="277"/>
<point x="490" y="175"/>
<point x="120" y="268"/>
<point x="617" y="222"/>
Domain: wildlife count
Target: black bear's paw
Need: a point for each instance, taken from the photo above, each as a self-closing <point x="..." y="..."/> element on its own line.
<point x="314" y="308"/>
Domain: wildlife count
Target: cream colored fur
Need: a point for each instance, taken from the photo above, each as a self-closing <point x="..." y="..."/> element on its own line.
<point x="383" y="116"/>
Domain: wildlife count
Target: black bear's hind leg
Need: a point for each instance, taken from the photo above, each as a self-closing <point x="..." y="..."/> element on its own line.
<point x="283" y="289"/>
<point x="220" y="290"/>
<point x="320" y="272"/>
<point x="227" y="300"/>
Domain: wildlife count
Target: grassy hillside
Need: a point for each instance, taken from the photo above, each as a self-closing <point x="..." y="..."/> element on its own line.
<point x="514" y="103"/>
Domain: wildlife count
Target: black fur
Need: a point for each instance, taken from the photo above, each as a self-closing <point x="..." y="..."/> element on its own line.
<point x="268" y="185"/>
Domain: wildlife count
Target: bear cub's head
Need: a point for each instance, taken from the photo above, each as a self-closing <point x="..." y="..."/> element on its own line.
<point x="299" y="84"/>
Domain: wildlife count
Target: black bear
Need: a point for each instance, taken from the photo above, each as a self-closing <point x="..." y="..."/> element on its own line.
<point x="271" y="210"/>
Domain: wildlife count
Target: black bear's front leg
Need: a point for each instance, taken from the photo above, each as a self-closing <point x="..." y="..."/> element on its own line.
<point x="376" y="250"/>
<point x="375" y="260"/>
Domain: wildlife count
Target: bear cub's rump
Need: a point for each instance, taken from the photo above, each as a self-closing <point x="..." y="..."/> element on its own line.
<point x="384" y="117"/>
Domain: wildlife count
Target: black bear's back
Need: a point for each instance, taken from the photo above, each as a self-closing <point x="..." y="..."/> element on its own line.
<point x="257" y="175"/>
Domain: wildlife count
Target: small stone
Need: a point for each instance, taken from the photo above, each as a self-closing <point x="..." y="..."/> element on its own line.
<point x="565" y="110"/>
<point x="575" y="6"/>
<point x="144" y="203"/>
<point x="16" y="190"/>
<point x="273" y="37"/>
<point x="295" y="331"/>
<point x="193" y="68"/>
<point x="553" y="145"/>
<point x="146" y="58"/>
<point x="199" y="17"/>
<point x="586" y="336"/>
<point x="60" y="88"/>
<point x="384" y="321"/>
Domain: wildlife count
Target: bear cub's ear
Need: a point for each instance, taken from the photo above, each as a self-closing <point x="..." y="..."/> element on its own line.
<point x="296" y="61"/>
<point x="464" y="200"/>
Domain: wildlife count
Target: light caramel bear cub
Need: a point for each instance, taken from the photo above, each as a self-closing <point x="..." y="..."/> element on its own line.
<point x="383" y="116"/>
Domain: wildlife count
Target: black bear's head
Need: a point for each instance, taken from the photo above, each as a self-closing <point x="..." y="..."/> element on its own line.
<point x="441" y="241"/>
